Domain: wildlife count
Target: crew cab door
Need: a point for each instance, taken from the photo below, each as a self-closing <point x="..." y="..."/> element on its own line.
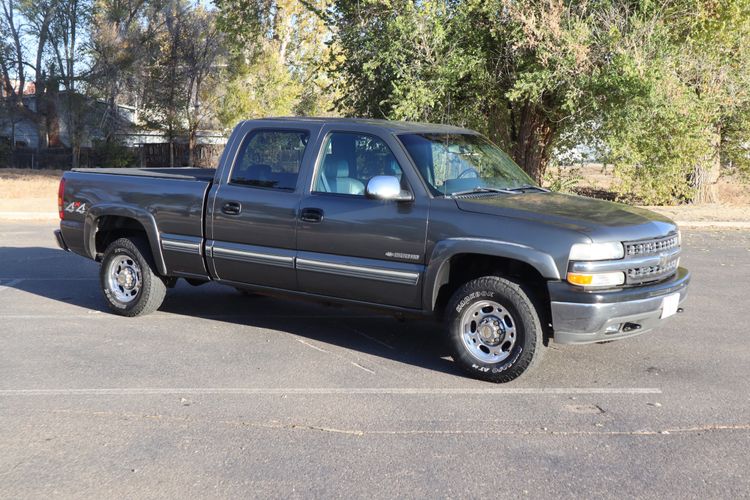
<point x="354" y="247"/>
<point x="252" y="211"/>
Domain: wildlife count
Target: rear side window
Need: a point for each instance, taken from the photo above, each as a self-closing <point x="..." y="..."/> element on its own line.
<point x="270" y="159"/>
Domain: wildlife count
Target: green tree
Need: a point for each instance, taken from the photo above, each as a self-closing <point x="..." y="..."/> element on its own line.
<point x="525" y="73"/>
<point x="669" y="139"/>
<point x="659" y="89"/>
<point x="278" y="53"/>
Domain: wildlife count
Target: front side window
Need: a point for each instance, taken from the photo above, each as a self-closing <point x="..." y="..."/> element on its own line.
<point x="350" y="160"/>
<point x="270" y="159"/>
<point x="458" y="163"/>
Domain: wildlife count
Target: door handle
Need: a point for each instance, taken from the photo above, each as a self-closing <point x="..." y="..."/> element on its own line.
<point x="231" y="208"/>
<point x="311" y="215"/>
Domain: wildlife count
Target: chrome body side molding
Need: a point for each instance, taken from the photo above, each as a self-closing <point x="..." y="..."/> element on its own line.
<point x="251" y="254"/>
<point x="352" y="271"/>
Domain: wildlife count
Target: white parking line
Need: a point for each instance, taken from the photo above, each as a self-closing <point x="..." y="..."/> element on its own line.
<point x="362" y="367"/>
<point x="377" y="341"/>
<point x="308" y="344"/>
<point x="312" y="346"/>
<point x="144" y="391"/>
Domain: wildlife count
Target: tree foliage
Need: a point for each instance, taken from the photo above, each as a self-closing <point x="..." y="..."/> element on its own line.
<point x="526" y="73"/>
<point x="658" y="89"/>
<point x="278" y="52"/>
<point x="688" y="115"/>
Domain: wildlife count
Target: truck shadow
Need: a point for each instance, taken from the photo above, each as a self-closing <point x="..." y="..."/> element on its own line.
<point x="411" y="341"/>
<point x="66" y="278"/>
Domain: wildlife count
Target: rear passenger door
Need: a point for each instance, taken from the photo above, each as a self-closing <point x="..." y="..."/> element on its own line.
<point x="253" y="209"/>
<point x="354" y="247"/>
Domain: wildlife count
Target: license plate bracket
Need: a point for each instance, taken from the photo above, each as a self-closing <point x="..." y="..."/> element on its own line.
<point x="669" y="305"/>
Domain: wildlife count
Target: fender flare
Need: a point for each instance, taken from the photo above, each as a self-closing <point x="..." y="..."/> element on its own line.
<point x="437" y="271"/>
<point x="143" y="217"/>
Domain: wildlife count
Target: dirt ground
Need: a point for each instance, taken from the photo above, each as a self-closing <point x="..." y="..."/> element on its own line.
<point x="26" y="190"/>
<point x="36" y="191"/>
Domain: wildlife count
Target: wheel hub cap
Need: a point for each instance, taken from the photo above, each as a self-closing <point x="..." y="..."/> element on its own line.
<point x="124" y="278"/>
<point x="488" y="331"/>
<point x="491" y="331"/>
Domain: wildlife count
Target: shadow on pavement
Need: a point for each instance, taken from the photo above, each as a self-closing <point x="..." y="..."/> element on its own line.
<point x="71" y="279"/>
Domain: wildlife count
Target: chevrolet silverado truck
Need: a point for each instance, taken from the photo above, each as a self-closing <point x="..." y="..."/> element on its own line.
<point x="418" y="219"/>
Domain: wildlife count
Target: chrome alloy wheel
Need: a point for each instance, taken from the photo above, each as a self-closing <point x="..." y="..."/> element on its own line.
<point x="124" y="278"/>
<point x="488" y="331"/>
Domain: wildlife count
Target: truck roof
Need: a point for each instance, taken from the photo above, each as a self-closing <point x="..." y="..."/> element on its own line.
<point x="394" y="126"/>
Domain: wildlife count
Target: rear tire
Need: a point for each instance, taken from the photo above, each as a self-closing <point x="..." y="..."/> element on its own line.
<point x="494" y="329"/>
<point x="128" y="278"/>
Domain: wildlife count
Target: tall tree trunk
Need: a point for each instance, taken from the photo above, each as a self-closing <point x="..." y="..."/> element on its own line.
<point x="533" y="135"/>
<point x="76" y="154"/>
<point x="706" y="173"/>
<point x="191" y="148"/>
<point x="171" y="147"/>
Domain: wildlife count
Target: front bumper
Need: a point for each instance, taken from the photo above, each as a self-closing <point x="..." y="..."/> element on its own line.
<point x="582" y="317"/>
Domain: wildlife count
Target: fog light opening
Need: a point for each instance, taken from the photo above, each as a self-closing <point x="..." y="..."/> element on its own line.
<point x="629" y="327"/>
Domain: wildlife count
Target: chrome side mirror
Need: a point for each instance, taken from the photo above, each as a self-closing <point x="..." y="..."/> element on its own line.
<point x="387" y="187"/>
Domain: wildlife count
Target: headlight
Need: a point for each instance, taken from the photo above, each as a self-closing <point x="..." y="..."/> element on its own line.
<point x="597" y="279"/>
<point x="597" y="251"/>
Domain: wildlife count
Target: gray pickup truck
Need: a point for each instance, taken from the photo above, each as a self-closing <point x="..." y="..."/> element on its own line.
<point x="418" y="219"/>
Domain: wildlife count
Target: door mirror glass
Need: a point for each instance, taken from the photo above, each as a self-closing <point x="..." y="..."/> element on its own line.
<point x="387" y="187"/>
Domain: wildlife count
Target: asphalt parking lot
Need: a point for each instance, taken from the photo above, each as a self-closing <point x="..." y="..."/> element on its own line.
<point x="221" y="395"/>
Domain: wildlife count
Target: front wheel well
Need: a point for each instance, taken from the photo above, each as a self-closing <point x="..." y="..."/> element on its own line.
<point x="463" y="268"/>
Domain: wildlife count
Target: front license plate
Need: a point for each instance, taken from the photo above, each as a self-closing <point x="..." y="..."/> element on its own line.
<point x="669" y="305"/>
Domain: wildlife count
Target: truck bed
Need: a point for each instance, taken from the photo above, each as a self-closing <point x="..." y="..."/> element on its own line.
<point x="181" y="173"/>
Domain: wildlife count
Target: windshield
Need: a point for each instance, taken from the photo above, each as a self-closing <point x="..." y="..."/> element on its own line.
<point x="458" y="163"/>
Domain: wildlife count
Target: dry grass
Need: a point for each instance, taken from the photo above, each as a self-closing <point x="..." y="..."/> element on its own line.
<point x="24" y="190"/>
<point x="36" y="191"/>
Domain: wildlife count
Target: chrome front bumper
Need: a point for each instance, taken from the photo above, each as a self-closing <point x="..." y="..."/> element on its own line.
<point x="580" y="317"/>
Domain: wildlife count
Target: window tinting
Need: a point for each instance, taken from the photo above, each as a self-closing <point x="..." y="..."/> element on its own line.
<point x="270" y="159"/>
<point x="350" y="160"/>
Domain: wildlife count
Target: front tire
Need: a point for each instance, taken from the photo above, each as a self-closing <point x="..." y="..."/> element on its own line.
<point x="494" y="329"/>
<point x="129" y="280"/>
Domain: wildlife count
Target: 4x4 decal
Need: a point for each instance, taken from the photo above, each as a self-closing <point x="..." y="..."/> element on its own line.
<point x="76" y="207"/>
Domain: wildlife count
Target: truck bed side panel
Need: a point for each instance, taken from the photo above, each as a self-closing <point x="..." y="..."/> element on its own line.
<point x="170" y="209"/>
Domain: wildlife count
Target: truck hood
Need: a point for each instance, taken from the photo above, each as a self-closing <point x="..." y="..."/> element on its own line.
<point x="600" y="220"/>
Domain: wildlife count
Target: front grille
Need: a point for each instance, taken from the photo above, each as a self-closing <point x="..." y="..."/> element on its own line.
<point x="667" y="248"/>
<point x="651" y="247"/>
<point x="652" y="273"/>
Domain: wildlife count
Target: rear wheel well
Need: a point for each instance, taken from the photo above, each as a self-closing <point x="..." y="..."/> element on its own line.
<point x="463" y="268"/>
<point x="112" y="227"/>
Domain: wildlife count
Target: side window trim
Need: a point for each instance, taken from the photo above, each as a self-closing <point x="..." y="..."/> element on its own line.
<point x="240" y="150"/>
<point x="321" y="154"/>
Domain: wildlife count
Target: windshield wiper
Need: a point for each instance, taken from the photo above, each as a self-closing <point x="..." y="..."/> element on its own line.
<point x="528" y="186"/>
<point x="480" y="189"/>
